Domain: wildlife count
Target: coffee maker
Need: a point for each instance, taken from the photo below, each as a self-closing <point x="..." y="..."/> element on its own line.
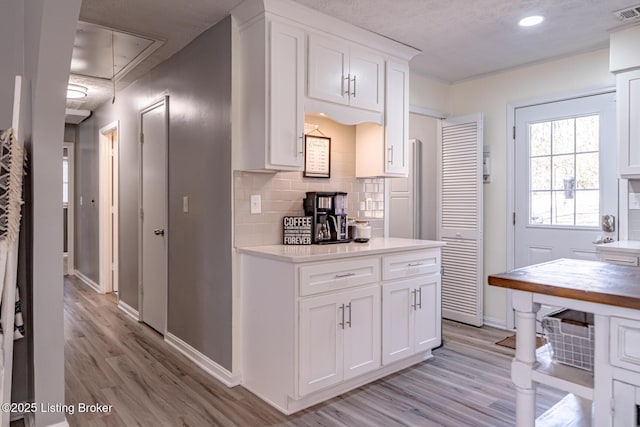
<point x="329" y="213"/>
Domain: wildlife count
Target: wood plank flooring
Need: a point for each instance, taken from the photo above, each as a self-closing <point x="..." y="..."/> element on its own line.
<point x="114" y="360"/>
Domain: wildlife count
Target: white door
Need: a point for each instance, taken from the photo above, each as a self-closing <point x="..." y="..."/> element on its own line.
<point x="153" y="215"/>
<point x="286" y="95"/>
<point x="460" y="218"/>
<point x="366" y="85"/>
<point x="362" y="332"/>
<point x="397" y="321"/>
<point x="565" y="178"/>
<point x="427" y="314"/>
<point x="396" y="117"/>
<point x="328" y="69"/>
<point x="320" y="353"/>
<point x="404" y="198"/>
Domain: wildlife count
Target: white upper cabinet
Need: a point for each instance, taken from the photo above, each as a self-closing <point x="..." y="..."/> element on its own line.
<point x="628" y="106"/>
<point x="397" y="118"/>
<point x="271" y="96"/>
<point x="342" y="73"/>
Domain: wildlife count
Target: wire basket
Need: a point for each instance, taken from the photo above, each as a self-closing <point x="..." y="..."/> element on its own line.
<point x="570" y="334"/>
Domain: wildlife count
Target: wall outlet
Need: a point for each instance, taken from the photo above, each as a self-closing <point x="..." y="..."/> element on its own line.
<point x="185" y="204"/>
<point x="256" y="204"/>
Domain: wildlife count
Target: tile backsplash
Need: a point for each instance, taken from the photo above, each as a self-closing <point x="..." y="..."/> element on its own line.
<point x="634" y="214"/>
<point x="283" y="193"/>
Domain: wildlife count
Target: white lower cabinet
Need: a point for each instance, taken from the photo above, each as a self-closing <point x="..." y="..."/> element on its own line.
<point x="410" y="317"/>
<point x="339" y="337"/>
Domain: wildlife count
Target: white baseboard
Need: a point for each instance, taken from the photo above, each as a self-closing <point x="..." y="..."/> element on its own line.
<point x="208" y="365"/>
<point x="130" y="311"/>
<point x="495" y="323"/>
<point x="90" y="283"/>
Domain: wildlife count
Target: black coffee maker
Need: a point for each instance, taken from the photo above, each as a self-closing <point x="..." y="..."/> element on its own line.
<point x="329" y="213"/>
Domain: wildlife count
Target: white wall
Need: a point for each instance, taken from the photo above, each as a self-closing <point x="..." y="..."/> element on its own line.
<point x="490" y="95"/>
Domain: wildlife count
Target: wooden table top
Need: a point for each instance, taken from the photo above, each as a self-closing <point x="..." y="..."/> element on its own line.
<point x="592" y="281"/>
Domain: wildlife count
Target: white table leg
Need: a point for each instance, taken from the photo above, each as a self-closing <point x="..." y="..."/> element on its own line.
<point x="522" y="365"/>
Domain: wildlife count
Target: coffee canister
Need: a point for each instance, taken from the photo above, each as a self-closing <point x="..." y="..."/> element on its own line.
<point x="362" y="232"/>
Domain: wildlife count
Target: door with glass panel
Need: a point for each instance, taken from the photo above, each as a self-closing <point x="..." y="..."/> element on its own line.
<point x="566" y="178"/>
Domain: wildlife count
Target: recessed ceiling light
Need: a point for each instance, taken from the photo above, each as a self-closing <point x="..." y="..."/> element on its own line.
<point x="530" y="21"/>
<point x="76" y="91"/>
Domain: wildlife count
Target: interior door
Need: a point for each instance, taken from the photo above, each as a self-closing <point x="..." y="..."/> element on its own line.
<point x="460" y="218"/>
<point x="565" y="178"/>
<point x="153" y="215"/>
<point x="404" y="198"/>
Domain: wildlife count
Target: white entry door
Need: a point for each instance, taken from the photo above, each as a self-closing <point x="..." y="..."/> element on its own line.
<point x="565" y="178"/>
<point x="153" y="215"/>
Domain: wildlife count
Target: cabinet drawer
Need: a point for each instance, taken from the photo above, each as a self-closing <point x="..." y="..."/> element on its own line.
<point x="409" y="264"/>
<point x="620" y="259"/>
<point x="332" y="276"/>
<point x="625" y="343"/>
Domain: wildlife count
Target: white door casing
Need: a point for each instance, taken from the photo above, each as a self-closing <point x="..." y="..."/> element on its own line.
<point x="564" y="180"/>
<point x="108" y="214"/>
<point x="460" y="222"/>
<point x="153" y="225"/>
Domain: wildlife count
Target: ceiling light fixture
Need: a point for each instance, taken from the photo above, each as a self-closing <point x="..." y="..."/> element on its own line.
<point x="76" y="91"/>
<point x="530" y="21"/>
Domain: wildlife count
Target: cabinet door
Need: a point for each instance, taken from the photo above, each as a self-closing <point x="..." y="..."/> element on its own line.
<point x="398" y="300"/>
<point x="366" y="85"/>
<point x="320" y="355"/>
<point x="427" y="318"/>
<point x="628" y="104"/>
<point x="286" y="125"/>
<point x="397" y="118"/>
<point x="626" y="404"/>
<point x="328" y="69"/>
<point x="362" y="332"/>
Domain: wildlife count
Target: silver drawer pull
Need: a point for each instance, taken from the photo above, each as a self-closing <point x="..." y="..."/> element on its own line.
<point x="416" y="264"/>
<point x="341" y="276"/>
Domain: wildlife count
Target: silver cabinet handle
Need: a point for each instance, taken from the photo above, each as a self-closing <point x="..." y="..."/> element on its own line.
<point x="301" y="142"/>
<point x="390" y="154"/>
<point x="413" y="293"/>
<point x="341" y="276"/>
<point x="420" y="298"/>
<point x="348" y="79"/>
<point x="159" y="231"/>
<point x="349" y="321"/>
<point x="341" y="308"/>
<point x="415" y="264"/>
<point x="354" y="87"/>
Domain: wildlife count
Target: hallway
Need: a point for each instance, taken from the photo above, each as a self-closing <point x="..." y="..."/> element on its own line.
<point x="112" y="360"/>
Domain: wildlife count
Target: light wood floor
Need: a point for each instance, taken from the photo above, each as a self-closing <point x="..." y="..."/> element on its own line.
<point x="111" y="359"/>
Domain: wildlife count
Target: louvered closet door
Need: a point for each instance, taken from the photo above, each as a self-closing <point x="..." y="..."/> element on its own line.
<point x="460" y="218"/>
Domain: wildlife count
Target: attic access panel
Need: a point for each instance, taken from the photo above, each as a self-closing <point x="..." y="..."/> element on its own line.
<point x="93" y="55"/>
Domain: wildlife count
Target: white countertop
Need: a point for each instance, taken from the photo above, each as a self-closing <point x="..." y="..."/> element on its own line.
<point x="624" y="246"/>
<point x="308" y="253"/>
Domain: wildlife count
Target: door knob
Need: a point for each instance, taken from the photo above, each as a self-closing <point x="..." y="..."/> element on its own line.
<point x="159" y="231"/>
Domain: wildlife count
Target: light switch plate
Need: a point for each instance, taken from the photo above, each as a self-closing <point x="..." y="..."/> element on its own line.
<point x="256" y="204"/>
<point x="185" y="204"/>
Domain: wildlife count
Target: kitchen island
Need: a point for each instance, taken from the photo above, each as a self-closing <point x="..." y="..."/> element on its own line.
<point x="612" y="293"/>
<point x="321" y="320"/>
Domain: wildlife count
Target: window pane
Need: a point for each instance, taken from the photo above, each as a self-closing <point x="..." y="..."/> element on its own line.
<point x="587" y="133"/>
<point x="540" y="207"/>
<point x="540" y="139"/>
<point x="540" y="173"/>
<point x="65" y="194"/>
<point x="588" y="208"/>
<point x="563" y="136"/>
<point x="588" y="171"/>
<point x="563" y="172"/>
<point x="563" y="208"/>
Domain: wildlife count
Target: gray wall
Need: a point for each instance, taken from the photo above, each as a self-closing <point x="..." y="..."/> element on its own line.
<point x="198" y="82"/>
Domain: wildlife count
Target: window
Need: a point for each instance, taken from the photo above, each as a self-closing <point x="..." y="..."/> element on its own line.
<point x="65" y="180"/>
<point x="564" y="169"/>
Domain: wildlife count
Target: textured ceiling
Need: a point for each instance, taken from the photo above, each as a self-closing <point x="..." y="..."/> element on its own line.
<point x="459" y="39"/>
